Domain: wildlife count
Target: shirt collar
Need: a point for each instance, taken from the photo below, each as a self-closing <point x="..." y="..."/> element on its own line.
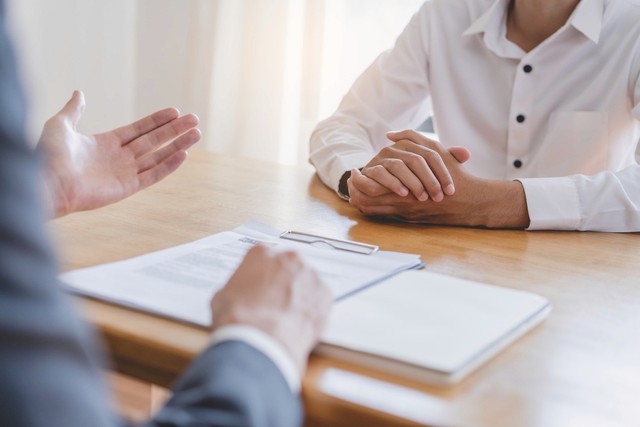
<point x="493" y="26"/>
<point x="493" y="15"/>
<point x="587" y="18"/>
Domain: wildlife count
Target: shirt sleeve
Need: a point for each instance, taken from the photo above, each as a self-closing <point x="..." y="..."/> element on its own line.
<point x="608" y="201"/>
<point x="266" y="345"/>
<point x="392" y="93"/>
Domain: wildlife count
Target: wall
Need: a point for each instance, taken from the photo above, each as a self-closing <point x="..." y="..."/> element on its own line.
<point x="129" y="57"/>
<point x="259" y="73"/>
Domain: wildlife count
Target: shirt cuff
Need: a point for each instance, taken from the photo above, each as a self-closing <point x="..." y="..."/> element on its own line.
<point x="553" y="203"/>
<point x="346" y="163"/>
<point x="264" y="344"/>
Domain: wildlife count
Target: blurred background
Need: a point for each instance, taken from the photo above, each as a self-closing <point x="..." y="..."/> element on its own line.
<point x="259" y="73"/>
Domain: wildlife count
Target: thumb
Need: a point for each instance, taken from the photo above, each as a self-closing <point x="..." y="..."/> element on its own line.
<point x="461" y="154"/>
<point x="73" y="109"/>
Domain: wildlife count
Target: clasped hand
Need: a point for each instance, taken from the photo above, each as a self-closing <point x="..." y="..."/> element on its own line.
<point x="408" y="179"/>
<point x="417" y="180"/>
<point x="415" y="165"/>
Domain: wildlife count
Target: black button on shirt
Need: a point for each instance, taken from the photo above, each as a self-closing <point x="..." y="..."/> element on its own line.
<point x="517" y="164"/>
<point x="520" y="118"/>
<point x="527" y="68"/>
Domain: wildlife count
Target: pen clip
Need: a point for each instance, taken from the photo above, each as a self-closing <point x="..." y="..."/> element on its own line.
<point x="341" y="245"/>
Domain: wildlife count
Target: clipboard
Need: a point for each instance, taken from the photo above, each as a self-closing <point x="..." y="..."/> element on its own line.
<point x="338" y="244"/>
<point x="209" y="261"/>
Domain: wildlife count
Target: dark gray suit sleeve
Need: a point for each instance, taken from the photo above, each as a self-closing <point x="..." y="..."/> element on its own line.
<point x="234" y="384"/>
<point x="49" y="369"/>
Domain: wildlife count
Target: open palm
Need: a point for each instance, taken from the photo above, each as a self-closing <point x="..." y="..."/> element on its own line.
<point x="86" y="172"/>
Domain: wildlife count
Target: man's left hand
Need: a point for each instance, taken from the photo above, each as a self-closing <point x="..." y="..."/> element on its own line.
<point x="85" y="172"/>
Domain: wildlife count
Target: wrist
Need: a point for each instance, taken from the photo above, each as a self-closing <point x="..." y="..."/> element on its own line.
<point x="504" y="205"/>
<point x="55" y="200"/>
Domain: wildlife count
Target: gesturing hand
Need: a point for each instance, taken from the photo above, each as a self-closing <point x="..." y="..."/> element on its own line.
<point x="412" y="166"/>
<point x="86" y="172"/>
<point x="278" y="294"/>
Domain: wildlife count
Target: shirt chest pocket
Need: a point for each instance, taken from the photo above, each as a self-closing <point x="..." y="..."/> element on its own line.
<point x="576" y="142"/>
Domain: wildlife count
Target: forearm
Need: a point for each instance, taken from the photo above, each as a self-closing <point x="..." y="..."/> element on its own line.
<point x="503" y="205"/>
<point x="481" y="203"/>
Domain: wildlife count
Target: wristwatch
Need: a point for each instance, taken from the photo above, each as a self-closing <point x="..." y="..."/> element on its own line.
<point x="343" y="188"/>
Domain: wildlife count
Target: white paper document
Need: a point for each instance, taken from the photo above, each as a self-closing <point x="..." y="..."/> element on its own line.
<point x="179" y="282"/>
<point x="429" y="327"/>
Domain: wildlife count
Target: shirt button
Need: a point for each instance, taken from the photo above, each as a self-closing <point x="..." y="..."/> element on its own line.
<point x="517" y="164"/>
<point x="527" y="68"/>
<point x="520" y="118"/>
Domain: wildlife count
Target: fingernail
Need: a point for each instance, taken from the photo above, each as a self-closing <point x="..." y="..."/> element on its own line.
<point x="423" y="197"/>
<point x="438" y="197"/>
<point x="403" y="191"/>
<point x="450" y="190"/>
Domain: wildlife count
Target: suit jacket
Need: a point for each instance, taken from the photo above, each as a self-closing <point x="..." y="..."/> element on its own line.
<point x="50" y="361"/>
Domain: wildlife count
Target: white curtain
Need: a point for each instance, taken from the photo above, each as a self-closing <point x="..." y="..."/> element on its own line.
<point x="259" y="73"/>
<point x="69" y="44"/>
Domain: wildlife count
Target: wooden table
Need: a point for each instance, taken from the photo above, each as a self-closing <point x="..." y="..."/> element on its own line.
<point x="581" y="367"/>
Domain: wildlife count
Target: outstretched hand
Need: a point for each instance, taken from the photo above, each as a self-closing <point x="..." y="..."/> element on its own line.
<point x="86" y="172"/>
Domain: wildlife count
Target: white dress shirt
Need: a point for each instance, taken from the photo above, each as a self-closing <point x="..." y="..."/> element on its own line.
<point x="564" y="118"/>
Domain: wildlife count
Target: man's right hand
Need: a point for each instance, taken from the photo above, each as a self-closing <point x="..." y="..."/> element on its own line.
<point x="410" y="167"/>
<point x="277" y="293"/>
